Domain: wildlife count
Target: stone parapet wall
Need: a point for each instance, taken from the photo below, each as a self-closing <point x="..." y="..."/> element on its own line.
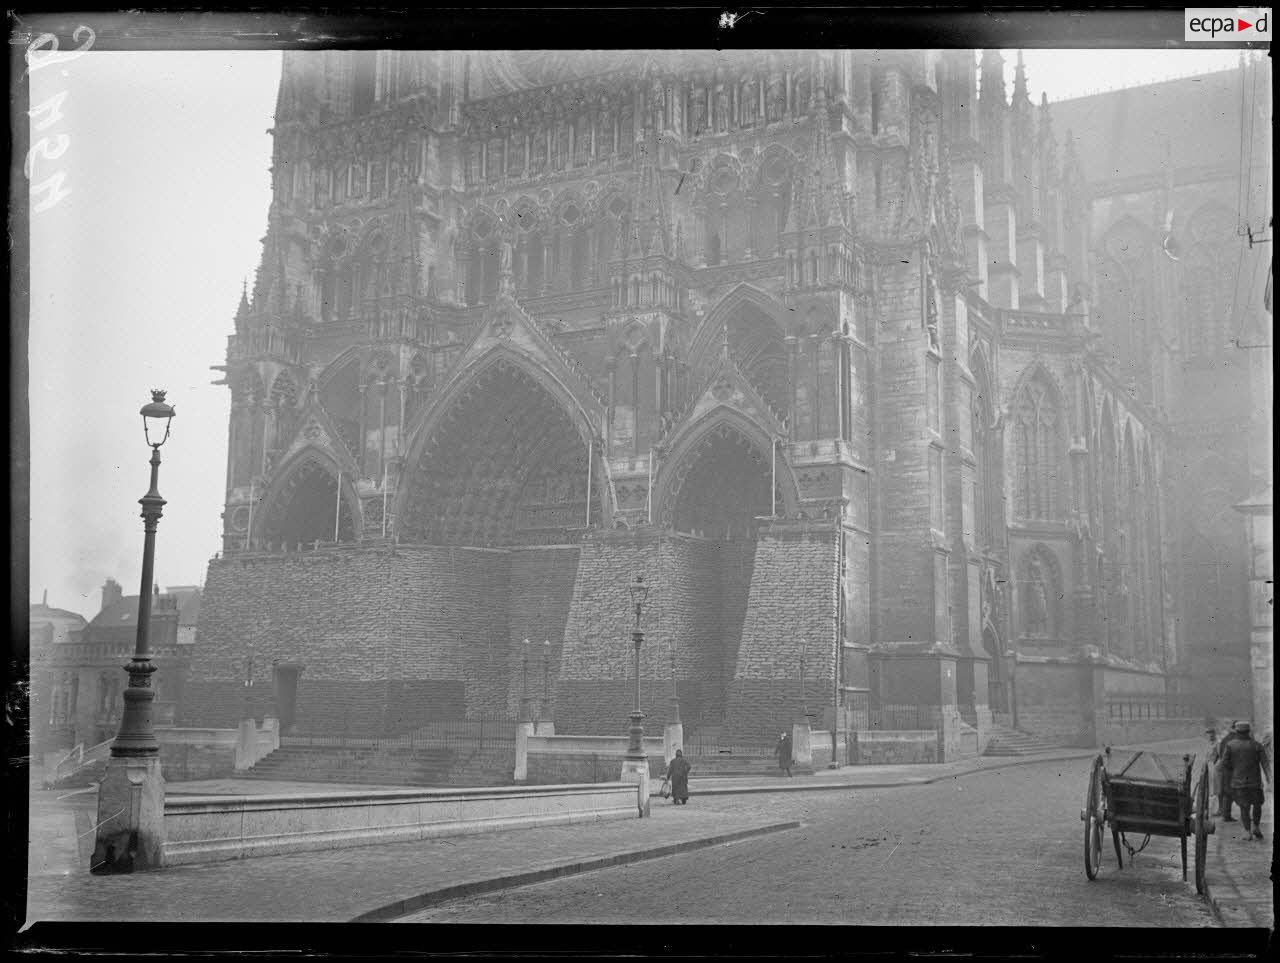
<point x="1130" y="732"/>
<point x="1056" y="702"/>
<point x="888" y="748"/>
<point x="203" y="829"/>
<point x="568" y="759"/>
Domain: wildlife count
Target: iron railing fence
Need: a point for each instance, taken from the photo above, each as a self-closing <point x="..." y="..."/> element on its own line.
<point x="897" y="718"/>
<point x="1156" y="707"/>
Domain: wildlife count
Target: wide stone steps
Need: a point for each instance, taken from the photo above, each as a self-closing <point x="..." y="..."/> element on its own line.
<point x="1014" y="742"/>
<point x="422" y="767"/>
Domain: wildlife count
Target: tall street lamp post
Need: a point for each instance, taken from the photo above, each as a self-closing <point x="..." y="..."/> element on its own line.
<point x="130" y="827"/>
<point x="546" y="679"/>
<point x="675" y="690"/>
<point x="524" y="684"/>
<point x="635" y="764"/>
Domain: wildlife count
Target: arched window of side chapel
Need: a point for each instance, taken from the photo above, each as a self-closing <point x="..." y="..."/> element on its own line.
<point x="1038" y="427"/>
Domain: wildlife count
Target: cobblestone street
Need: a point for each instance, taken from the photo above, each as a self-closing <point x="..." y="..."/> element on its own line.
<point x="999" y="848"/>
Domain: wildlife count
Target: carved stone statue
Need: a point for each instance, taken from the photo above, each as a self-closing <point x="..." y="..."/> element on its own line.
<point x="777" y="99"/>
<point x="699" y="115"/>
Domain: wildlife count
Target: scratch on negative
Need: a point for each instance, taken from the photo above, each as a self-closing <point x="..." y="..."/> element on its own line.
<point x="103" y="823"/>
<point x="892" y="851"/>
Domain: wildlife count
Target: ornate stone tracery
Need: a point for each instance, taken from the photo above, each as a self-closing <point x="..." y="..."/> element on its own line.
<point x="505" y="465"/>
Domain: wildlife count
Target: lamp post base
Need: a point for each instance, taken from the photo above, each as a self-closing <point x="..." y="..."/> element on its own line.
<point x="636" y="770"/>
<point x="130" y="828"/>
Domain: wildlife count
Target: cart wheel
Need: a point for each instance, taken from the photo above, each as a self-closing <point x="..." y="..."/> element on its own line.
<point x="1202" y="825"/>
<point x="1093" y="821"/>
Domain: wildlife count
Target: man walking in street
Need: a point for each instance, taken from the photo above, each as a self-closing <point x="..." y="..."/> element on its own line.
<point x="784" y="752"/>
<point x="1224" y="781"/>
<point x="678" y="773"/>
<point x="1211" y="755"/>
<point x="1243" y="764"/>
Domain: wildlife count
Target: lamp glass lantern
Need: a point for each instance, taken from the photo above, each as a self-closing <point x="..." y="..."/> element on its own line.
<point x="639" y="592"/>
<point x="156" y="415"/>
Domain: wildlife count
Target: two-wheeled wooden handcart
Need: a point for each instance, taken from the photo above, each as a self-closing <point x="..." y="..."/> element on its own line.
<point x="1147" y="793"/>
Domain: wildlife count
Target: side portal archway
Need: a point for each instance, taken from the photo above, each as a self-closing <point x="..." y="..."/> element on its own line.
<point x="722" y="486"/>
<point x="302" y="507"/>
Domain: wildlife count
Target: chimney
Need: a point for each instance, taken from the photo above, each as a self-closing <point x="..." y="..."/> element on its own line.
<point x="45" y="601"/>
<point x="111" y="593"/>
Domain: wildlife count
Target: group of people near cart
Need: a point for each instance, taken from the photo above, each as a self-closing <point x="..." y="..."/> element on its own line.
<point x="1238" y="763"/>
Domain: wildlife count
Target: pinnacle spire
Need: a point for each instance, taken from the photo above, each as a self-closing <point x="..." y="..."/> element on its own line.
<point x="1020" y="81"/>
<point x="992" y="89"/>
<point x="1048" y="142"/>
<point x="649" y="212"/>
<point x="242" y="311"/>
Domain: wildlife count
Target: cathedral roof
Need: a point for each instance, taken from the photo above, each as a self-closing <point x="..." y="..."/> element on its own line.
<point x="1119" y="133"/>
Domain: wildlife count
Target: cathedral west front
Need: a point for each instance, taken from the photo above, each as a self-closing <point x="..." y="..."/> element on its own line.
<point x="848" y="353"/>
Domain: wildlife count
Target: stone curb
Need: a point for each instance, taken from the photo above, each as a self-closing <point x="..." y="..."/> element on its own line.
<point x="422" y="901"/>
<point x="804" y="785"/>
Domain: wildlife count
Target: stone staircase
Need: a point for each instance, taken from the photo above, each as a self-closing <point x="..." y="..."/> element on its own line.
<point x="427" y="766"/>
<point x="1006" y="741"/>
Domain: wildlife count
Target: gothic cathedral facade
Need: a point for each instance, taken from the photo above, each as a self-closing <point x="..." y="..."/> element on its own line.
<point x="816" y="341"/>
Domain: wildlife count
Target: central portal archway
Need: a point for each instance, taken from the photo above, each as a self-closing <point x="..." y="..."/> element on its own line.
<point x="504" y="466"/>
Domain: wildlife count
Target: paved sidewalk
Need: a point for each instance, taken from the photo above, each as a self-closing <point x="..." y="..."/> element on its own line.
<point x="1240" y="872"/>
<point x="339" y="885"/>
<point x="381" y="882"/>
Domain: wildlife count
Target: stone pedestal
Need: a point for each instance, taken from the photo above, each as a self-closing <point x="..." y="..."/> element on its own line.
<point x="523" y="731"/>
<point x="271" y="725"/>
<point x="672" y="739"/>
<point x="637" y="771"/>
<point x="130" y="825"/>
<point x="246" y="745"/>
<point x="801" y="747"/>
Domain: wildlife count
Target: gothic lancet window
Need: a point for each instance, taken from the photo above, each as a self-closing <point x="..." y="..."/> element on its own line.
<point x="1205" y="281"/>
<point x="1038" y="450"/>
<point x="986" y="478"/>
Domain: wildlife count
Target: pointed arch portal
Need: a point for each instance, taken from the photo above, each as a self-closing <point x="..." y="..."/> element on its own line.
<point x="301" y="509"/>
<point x="505" y="465"/>
<point x="722" y="486"/>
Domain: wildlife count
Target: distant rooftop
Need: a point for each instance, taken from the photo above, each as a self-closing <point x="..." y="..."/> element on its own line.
<point x="42" y="611"/>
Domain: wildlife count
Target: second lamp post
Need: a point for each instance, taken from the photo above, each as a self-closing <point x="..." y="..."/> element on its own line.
<point x="635" y="748"/>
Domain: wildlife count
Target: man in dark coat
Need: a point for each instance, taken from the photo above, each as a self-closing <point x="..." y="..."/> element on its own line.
<point x="1224" y="780"/>
<point x="784" y="752"/>
<point x="678" y="773"/>
<point x="1243" y="763"/>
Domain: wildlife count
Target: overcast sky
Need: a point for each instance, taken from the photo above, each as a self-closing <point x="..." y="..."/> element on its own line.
<point x="136" y="273"/>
